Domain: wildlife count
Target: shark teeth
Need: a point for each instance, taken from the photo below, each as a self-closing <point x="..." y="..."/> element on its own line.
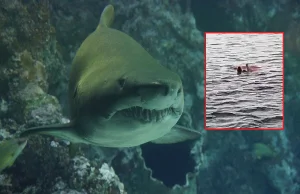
<point x="147" y="114"/>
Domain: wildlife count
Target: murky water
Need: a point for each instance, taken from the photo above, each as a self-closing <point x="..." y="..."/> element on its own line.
<point x="249" y="100"/>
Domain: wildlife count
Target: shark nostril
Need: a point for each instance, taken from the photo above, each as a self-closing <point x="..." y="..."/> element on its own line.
<point x="166" y="90"/>
<point x="154" y="89"/>
<point x="121" y="82"/>
<point x="171" y="90"/>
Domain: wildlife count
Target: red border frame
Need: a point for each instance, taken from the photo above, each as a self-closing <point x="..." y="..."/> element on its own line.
<point x="209" y="129"/>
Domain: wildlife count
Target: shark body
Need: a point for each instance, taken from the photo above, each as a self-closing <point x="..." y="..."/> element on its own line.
<point x="119" y="95"/>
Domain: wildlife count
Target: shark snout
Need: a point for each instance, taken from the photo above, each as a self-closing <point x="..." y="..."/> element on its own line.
<point x="160" y="95"/>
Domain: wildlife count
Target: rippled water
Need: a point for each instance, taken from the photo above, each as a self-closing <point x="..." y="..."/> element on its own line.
<point x="249" y="100"/>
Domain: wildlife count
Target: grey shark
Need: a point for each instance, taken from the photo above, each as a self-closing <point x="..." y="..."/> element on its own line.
<point x="119" y="95"/>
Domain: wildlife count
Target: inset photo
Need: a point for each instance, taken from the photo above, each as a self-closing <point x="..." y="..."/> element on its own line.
<point x="244" y="81"/>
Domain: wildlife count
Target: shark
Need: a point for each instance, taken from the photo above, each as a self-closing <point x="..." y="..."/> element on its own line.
<point x="119" y="95"/>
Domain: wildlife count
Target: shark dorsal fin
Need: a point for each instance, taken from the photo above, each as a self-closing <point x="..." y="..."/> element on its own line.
<point x="107" y="17"/>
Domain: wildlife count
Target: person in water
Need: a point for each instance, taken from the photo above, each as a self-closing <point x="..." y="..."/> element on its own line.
<point x="247" y="68"/>
<point x="239" y="69"/>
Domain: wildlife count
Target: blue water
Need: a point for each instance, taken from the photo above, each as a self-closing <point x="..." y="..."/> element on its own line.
<point x="249" y="100"/>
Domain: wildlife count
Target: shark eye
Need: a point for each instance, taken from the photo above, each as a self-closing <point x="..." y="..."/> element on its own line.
<point x="121" y="82"/>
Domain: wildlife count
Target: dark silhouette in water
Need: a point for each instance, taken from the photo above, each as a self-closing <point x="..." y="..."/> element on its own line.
<point x="246" y="68"/>
<point x="239" y="69"/>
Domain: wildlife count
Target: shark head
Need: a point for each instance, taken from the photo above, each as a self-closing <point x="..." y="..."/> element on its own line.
<point x="141" y="105"/>
<point x="140" y="99"/>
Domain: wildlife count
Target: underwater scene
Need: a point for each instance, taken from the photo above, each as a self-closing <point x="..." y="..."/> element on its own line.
<point x="108" y="97"/>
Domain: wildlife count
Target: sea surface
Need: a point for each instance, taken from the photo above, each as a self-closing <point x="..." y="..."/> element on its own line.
<point x="249" y="100"/>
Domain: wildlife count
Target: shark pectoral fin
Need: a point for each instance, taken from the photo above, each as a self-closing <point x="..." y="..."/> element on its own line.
<point x="178" y="134"/>
<point x="64" y="131"/>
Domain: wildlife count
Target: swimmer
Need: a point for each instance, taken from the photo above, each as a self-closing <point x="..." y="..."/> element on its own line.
<point x="239" y="70"/>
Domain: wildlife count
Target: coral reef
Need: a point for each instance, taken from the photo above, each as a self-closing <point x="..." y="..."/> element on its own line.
<point x="92" y="179"/>
<point x="130" y="162"/>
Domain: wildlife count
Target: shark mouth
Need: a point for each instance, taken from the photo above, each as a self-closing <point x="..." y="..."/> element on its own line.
<point x="147" y="114"/>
